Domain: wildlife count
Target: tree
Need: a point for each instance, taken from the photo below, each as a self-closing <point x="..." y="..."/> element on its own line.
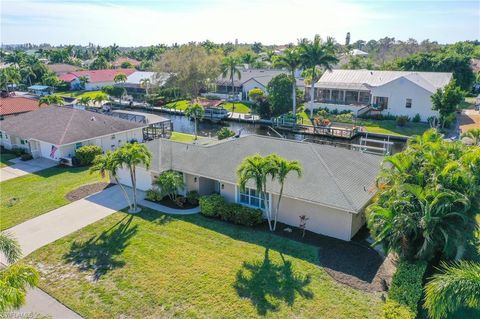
<point x="258" y="169"/>
<point x="316" y="53"/>
<point x="282" y="168"/>
<point x="280" y="93"/>
<point x="51" y="99"/>
<point x="85" y="100"/>
<point x="120" y="78"/>
<point x="255" y="94"/>
<point x="457" y="286"/>
<point x="170" y="183"/>
<point x="16" y="278"/>
<point x="9" y="76"/>
<point x="99" y="98"/>
<point x="474" y="135"/>
<point x="145" y="83"/>
<point x="224" y="133"/>
<point x="110" y="163"/>
<point x="446" y="100"/>
<point x="290" y="60"/>
<point x="99" y="63"/>
<point x="229" y="68"/>
<point x="131" y="155"/>
<point x="195" y="112"/>
<point x="257" y="47"/>
<point x="83" y="81"/>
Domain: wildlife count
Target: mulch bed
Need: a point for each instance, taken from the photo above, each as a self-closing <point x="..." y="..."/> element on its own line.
<point x="171" y="204"/>
<point x="86" y="190"/>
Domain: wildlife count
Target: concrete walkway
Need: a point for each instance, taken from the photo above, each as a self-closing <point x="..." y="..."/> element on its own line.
<point x="44" y="229"/>
<point x="21" y="168"/>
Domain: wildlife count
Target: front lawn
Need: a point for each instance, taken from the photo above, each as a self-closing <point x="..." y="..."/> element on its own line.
<point x="178" y="105"/>
<point x="80" y="94"/>
<point x="29" y="196"/>
<point x="239" y="107"/>
<point x="183" y="137"/>
<point x="152" y="265"/>
<point x="390" y="127"/>
<point x="5" y="158"/>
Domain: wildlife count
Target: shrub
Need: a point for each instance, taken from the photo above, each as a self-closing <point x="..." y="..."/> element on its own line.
<point x="211" y="205"/>
<point x="26" y="157"/>
<point x="213" y="97"/>
<point x="394" y="310"/>
<point x="170" y="182"/>
<point x="153" y="195"/>
<point x="18" y="151"/>
<point x="245" y="215"/>
<point x="406" y="287"/>
<point x="402" y="120"/>
<point x="192" y="197"/>
<point x="86" y="154"/>
<point x="416" y="118"/>
<point x="224" y="133"/>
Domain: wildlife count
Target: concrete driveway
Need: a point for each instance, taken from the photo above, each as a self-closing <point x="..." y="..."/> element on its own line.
<point x="21" y="168"/>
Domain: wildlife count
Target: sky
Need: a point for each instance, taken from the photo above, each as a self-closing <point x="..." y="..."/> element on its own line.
<point x="140" y="23"/>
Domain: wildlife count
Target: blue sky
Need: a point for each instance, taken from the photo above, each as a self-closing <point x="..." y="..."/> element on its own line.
<point x="131" y="22"/>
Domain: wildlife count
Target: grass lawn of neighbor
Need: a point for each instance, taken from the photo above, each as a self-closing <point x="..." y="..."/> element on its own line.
<point x="183" y="137"/>
<point x="468" y="103"/>
<point x="29" y="196"/>
<point x="5" y="158"/>
<point x="239" y="107"/>
<point x="152" y="265"/>
<point x="80" y="94"/>
<point x="178" y="105"/>
<point x="390" y="127"/>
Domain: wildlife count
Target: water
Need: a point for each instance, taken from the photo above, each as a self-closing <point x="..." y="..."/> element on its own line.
<point x="209" y="129"/>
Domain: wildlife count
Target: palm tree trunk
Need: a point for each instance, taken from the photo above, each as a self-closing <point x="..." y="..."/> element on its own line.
<point x="312" y="92"/>
<point x="134" y="186"/>
<point x="127" y="198"/>
<point x="278" y="208"/>
<point x="267" y="207"/>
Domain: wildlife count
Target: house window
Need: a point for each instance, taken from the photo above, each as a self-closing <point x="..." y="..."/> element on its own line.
<point x="22" y="142"/>
<point x="251" y="197"/>
<point x="408" y="104"/>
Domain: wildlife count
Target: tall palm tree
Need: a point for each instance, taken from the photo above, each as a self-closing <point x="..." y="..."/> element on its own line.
<point x="130" y="156"/>
<point x="9" y="76"/>
<point x="457" y="286"/>
<point x="195" y="112"/>
<point x="84" y="80"/>
<point x="290" y="60"/>
<point x="85" y="101"/>
<point x="15" y="279"/>
<point x="474" y="135"/>
<point x="51" y="99"/>
<point x="110" y="163"/>
<point x="229" y="68"/>
<point x="316" y="53"/>
<point x="145" y="83"/>
<point x="120" y="78"/>
<point x="258" y="169"/>
<point x="282" y="168"/>
<point x="99" y="98"/>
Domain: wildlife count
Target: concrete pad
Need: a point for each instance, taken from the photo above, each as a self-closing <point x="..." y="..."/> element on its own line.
<point x="21" y="168"/>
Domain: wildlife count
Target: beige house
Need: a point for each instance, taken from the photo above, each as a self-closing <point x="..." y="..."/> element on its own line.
<point x="336" y="186"/>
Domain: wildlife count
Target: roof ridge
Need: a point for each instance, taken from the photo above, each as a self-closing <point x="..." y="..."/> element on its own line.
<point x="320" y="158"/>
<point x="66" y="128"/>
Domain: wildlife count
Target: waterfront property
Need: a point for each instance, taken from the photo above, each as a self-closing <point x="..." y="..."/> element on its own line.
<point x="40" y="90"/>
<point x="336" y="186"/>
<point x="139" y="81"/>
<point x="62" y="68"/>
<point x="56" y="132"/>
<point x="15" y="105"/>
<point x="387" y="92"/>
<point x="97" y="79"/>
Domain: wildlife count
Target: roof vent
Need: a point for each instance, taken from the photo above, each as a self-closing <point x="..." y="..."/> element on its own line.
<point x="93" y="118"/>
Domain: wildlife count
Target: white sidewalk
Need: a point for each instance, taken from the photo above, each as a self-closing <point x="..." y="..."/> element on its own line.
<point x="21" y="168"/>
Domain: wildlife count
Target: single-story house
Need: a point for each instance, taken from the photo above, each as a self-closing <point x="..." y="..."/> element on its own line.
<point x="15" y="105"/>
<point x="387" y="92"/>
<point x="62" y="68"/>
<point x="55" y="132"/>
<point x="135" y="84"/>
<point x="97" y="79"/>
<point x="120" y="60"/>
<point x="333" y="192"/>
<point x="40" y="90"/>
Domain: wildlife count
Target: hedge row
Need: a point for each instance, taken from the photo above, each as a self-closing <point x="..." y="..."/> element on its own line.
<point x="405" y="290"/>
<point x="215" y="206"/>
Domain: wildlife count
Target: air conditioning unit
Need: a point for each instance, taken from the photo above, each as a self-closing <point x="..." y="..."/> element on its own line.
<point x="66" y="161"/>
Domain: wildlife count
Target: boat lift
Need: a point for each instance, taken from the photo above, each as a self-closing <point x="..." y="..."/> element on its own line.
<point x="378" y="147"/>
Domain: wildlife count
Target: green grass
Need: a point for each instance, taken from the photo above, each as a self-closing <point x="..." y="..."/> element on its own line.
<point x="80" y="94"/>
<point x="390" y="127"/>
<point x="183" y="137"/>
<point x="4" y="159"/>
<point x="152" y="265"/>
<point x="239" y="107"/>
<point x="468" y="103"/>
<point x="304" y="118"/>
<point x="179" y="105"/>
<point x="29" y="196"/>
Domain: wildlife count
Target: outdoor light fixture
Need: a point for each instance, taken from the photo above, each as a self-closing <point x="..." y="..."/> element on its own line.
<point x="195" y="179"/>
<point x="223" y="186"/>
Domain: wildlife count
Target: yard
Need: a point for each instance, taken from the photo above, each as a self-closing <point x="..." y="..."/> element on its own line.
<point x="178" y="105"/>
<point x="80" y="94"/>
<point x="390" y="127"/>
<point x="183" y="137"/>
<point x="239" y="107"/>
<point x="5" y="158"/>
<point x="29" y="196"/>
<point x="152" y="265"/>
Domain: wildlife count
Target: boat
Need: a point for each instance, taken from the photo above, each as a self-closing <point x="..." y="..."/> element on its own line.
<point x="215" y="114"/>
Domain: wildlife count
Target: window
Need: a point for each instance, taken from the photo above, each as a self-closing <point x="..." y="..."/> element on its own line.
<point x="251" y="198"/>
<point x="408" y="104"/>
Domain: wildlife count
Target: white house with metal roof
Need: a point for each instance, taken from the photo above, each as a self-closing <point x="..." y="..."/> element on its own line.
<point x="336" y="186"/>
<point x="387" y="92"/>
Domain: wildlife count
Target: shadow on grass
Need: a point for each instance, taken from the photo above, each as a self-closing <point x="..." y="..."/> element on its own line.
<point x="267" y="283"/>
<point x="100" y="253"/>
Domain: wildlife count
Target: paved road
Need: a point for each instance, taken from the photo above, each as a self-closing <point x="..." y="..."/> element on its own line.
<point x="21" y="168"/>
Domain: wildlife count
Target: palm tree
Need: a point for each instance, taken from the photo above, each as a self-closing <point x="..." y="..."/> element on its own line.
<point x="15" y="279"/>
<point x="83" y="81"/>
<point x="130" y="155"/>
<point x="256" y="168"/>
<point x="84" y="100"/>
<point x="145" y="83"/>
<point x="15" y="58"/>
<point x="195" y="112"/>
<point x="290" y="60"/>
<point x="316" y="53"/>
<point x="99" y="98"/>
<point x="51" y="99"/>
<point x="282" y="168"/>
<point x="110" y="163"/>
<point x="457" y="286"/>
<point x="229" y="68"/>
<point x="120" y="78"/>
<point x="9" y="76"/>
<point x="474" y="135"/>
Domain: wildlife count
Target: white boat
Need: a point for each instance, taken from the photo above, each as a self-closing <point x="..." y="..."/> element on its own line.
<point x="215" y="114"/>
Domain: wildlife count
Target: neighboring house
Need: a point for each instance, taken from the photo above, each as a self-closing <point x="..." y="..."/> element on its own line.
<point x="40" y="90"/>
<point x="357" y="52"/>
<point x="387" y="92"/>
<point x="97" y="78"/>
<point x="62" y="68"/>
<point x="55" y="132"/>
<point x="10" y="106"/>
<point x="134" y="81"/>
<point x="119" y="61"/>
<point x="336" y="186"/>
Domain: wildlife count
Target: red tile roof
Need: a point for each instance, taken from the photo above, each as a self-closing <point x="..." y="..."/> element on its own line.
<point x="95" y="76"/>
<point x="16" y="105"/>
<point x="118" y="62"/>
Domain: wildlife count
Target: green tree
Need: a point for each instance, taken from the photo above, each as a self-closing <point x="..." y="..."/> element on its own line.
<point x="16" y="278"/>
<point x="51" y="99"/>
<point x="131" y="155"/>
<point x="290" y="59"/>
<point x="195" y="112"/>
<point x="457" y="286"/>
<point x="474" y="135"/>
<point x="280" y="93"/>
<point x="85" y="101"/>
<point x="170" y="183"/>
<point x="224" y="133"/>
<point x="446" y="100"/>
<point x="99" y="63"/>
<point x="83" y="81"/>
<point x="120" y="78"/>
<point x="229" y="67"/>
<point x="9" y="76"/>
<point x="100" y="98"/>
<point x="316" y="53"/>
<point x="255" y="94"/>
<point x="145" y="83"/>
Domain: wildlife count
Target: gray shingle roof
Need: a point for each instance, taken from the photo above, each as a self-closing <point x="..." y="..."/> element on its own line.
<point x="334" y="177"/>
<point x="262" y="75"/>
<point x="63" y="125"/>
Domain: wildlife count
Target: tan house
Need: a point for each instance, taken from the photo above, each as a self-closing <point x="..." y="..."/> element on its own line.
<point x="336" y="186"/>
